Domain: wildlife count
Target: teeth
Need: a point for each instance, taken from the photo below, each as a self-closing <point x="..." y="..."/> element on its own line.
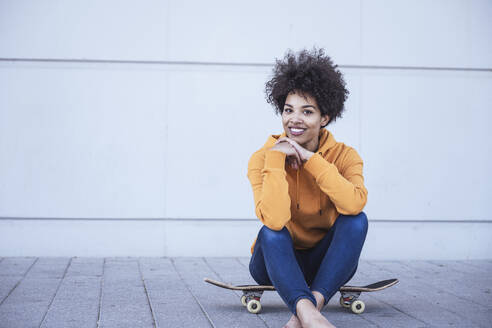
<point x="296" y="130"/>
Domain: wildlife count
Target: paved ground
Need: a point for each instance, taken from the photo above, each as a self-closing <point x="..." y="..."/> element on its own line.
<point x="170" y="292"/>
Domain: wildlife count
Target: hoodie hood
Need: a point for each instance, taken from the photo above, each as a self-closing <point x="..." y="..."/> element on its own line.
<point x="326" y="141"/>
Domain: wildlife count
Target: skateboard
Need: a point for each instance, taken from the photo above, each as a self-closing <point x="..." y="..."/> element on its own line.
<point x="349" y="294"/>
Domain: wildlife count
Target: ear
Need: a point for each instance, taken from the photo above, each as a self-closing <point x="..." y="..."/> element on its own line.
<point x="324" y="120"/>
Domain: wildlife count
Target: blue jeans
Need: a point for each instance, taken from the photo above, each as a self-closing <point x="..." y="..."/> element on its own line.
<point x="326" y="267"/>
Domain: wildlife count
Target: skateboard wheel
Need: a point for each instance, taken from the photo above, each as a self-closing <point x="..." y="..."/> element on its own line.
<point x="254" y="306"/>
<point x="357" y="307"/>
<point x="243" y="300"/>
<point x="342" y="303"/>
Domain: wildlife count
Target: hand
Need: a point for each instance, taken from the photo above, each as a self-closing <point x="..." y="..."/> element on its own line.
<point x="304" y="154"/>
<point x="293" y="158"/>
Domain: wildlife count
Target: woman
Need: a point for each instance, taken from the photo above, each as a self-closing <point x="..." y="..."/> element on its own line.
<point x="308" y="191"/>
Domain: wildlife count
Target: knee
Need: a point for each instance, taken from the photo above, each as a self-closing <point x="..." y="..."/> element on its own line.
<point x="356" y="224"/>
<point x="269" y="236"/>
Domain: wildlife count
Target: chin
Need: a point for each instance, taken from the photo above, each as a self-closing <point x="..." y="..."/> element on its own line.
<point x="299" y="139"/>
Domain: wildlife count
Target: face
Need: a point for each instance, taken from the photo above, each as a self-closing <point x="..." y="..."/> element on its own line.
<point x="302" y="120"/>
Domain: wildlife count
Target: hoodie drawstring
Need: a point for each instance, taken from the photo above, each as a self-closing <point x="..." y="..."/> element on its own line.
<point x="297" y="189"/>
<point x="319" y="198"/>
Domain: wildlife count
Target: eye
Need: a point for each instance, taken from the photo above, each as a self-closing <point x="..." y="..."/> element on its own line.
<point x="308" y="112"/>
<point x="287" y="109"/>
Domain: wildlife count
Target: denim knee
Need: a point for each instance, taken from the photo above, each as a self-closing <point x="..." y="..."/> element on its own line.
<point x="356" y="224"/>
<point x="269" y="236"/>
<point x="258" y="271"/>
<point x="362" y="223"/>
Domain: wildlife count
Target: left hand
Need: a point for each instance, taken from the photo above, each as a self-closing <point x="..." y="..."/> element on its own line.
<point x="304" y="154"/>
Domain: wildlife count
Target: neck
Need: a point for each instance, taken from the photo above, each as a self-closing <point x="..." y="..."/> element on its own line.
<point x="312" y="145"/>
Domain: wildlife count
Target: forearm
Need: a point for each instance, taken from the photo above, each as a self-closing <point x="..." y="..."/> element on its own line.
<point x="273" y="206"/>
<point x="271" y="191"/>
<point x="349" y="197"/>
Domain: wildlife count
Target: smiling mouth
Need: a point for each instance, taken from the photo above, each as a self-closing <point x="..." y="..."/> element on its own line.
<point x="296" y="131"/>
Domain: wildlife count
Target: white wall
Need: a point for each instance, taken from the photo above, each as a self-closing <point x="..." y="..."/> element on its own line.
<point x="149" y="111"/>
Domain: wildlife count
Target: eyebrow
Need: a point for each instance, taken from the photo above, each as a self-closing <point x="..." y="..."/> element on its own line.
<point x="305" y="106"/>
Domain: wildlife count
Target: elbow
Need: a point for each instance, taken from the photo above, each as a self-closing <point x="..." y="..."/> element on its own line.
<point x="274" y="226"/>
<point x="349" y="211"/>
<point x="274" y="222"/>
<point x="355" y="207"/>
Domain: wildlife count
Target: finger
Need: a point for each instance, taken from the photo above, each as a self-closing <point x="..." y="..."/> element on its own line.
<point x="293" y="162"/>
<point x="290" y="162"/>
<point x="298" y="156"/>
<point x="283" y="139"/>
<point x="295" y="154"/>
<point x="294" y="144"/>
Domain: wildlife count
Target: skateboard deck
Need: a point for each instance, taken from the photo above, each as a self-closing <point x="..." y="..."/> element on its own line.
<point x="348" y="299"/>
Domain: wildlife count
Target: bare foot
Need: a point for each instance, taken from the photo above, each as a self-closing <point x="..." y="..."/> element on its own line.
<point x="320" y="300"/>
<point x="293" y="323"/>
<point x="309" y="315"/>
<point x="318" y="322"/>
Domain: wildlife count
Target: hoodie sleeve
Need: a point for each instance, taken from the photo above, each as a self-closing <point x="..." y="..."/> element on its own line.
<point x="266" y="172"/>
<point x="346" y="190"/>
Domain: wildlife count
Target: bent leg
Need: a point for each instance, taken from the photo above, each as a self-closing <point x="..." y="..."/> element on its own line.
<point x="274" y="262"/>
<point x="340" y="261"/>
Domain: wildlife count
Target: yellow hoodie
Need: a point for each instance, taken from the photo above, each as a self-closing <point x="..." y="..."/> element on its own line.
<point x="307" y="201"/>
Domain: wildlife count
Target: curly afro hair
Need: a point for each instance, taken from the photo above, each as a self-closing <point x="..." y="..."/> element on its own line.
<point x="313" y="73"/>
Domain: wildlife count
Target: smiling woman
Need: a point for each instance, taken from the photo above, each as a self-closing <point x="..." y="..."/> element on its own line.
<point x="309" y="191"/>
<point x="302" y="120"/>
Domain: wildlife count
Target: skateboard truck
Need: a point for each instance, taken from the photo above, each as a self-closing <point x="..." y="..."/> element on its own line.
<point x="251" y="300"/>
<point x="350" y="301"/>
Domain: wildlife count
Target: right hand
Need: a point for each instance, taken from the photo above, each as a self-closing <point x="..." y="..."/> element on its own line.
<point x="293" y="158"/>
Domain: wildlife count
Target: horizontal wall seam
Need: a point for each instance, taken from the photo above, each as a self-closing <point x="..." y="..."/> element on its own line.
<point x="170" y="62"/>
<point x="224" y="220"/>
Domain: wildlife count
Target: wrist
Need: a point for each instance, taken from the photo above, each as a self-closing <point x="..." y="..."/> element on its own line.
<point x="308" y="155"/>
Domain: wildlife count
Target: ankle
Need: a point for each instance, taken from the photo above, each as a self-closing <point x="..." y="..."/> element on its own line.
<point x="305" y="309"/>
<point x="320" y="300"/>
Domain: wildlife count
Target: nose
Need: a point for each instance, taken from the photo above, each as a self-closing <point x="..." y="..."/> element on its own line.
<point x="296" y="118"/>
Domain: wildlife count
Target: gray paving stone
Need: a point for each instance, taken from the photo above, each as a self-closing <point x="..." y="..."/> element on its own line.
<point x="124" y="300"/>
<point x="465" y="274"/>
<point x="163" y="292"/>
<point x="470" y="284"/>
<point x="172" y="303"/>
<point x="27" y="304"/>
<point x="466" y="267"/>
<point x="16" y="266"/>
<point x="470" y="292"/>
<point x="484" y="266"/>
<point x="49" y="267"/>
<point x="86" y="266"/>
<point x="7" y="285"/>
<point x="219" y="304"/>
<point x="12" y="271"/>
<point x="422" y="300"/>
<point x="76" y="303"/>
